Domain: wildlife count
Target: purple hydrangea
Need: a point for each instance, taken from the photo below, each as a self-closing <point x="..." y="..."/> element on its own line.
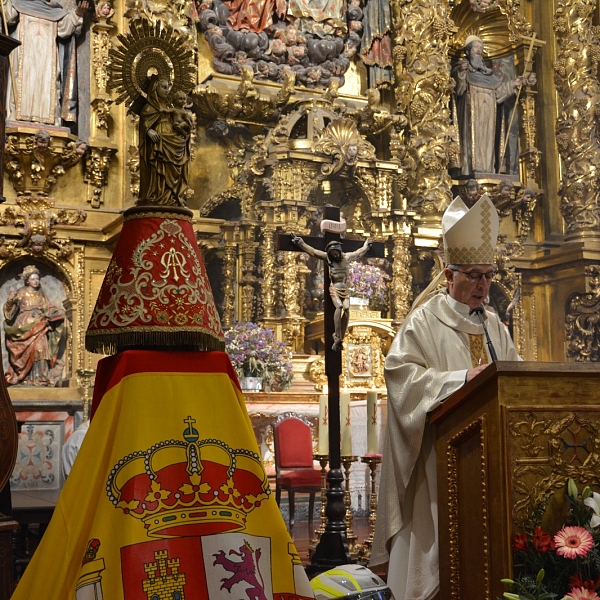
<point x="254" y="352"/>
<point x="368" y="281"/>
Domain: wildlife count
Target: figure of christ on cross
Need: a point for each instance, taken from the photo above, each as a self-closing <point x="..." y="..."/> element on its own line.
<point x="332" y="549"/>
<point x="338" y="262"/>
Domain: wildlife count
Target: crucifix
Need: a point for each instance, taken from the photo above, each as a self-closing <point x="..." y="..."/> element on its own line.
<point x="332" y="549"/>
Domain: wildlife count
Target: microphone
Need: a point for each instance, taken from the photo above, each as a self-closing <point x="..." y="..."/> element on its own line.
<point x="479" y="312"/>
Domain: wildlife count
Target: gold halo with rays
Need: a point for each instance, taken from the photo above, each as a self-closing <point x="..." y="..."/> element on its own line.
<point x="150" y="49"/>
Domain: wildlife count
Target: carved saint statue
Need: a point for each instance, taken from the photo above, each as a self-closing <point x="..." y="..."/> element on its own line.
<point x="478" y="92"/>
<point x="339" y="269"/>
<point x="165" y="147"/>
<point x="45" y="63"/>
<point x="34" y="330"/>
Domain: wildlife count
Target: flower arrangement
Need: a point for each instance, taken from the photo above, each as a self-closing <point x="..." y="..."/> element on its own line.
<point x="254" y="352"/>
<point x="565" y="565"/>
<point x="368" y="281"/>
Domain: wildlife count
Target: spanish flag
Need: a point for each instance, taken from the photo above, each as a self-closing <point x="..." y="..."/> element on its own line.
<point x="168" y="497"/>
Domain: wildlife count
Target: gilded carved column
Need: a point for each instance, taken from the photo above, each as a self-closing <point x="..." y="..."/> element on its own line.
<point x="423" y="87"/>
<point x="293" y="283"/>
<point x="267" y="261"/>
<point x="101" y="100"/>
<point x="102" y="149"/>
<point x="576" y="79"/>
<point x="248" y="279"/>
<point x="531" y="155"/>
<point x="290" y="283"/>
<point x="247" y="292"/>
<point x="401" y="283"/>
<point x="229" y="271"/>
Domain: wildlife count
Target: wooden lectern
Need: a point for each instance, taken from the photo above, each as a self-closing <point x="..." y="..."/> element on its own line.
<point x="509" y="438"/>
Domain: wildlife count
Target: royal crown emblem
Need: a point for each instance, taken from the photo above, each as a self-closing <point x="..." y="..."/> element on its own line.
<point x="189" y="487"/>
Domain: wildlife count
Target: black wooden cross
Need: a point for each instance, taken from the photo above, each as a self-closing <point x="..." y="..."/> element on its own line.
<point x="332" y="549"/>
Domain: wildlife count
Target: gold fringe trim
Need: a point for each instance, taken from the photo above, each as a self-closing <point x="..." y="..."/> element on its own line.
<point x="111" y="343"/>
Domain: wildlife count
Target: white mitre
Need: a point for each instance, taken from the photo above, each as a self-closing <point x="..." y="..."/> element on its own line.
<point x="470" y="235"/>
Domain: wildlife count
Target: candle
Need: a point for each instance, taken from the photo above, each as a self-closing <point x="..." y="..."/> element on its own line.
<point x="323" y="446"/>
<point x="346" y="424"/>
<point x="372" y="423"/>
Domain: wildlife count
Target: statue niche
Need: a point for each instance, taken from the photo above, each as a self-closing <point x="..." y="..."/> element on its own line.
<point x="34" y="328"/>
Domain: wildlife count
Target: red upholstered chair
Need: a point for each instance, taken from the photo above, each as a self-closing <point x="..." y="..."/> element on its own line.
<point x="294" y="471"/>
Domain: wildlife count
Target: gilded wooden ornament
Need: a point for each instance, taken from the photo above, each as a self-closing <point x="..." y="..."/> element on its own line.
<point x="36" y="218"/>
<point x="34" y="162"/>
<point x="342" y="141"/>
<point x="582" y="321"/>
<point x="552" y="446"/>
<point x="576" y="80"/>
<point x="423" y="85"/>
<point x="96" y="172"/>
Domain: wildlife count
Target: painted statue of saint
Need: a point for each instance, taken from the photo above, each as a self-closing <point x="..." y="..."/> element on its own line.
<point x="45" y="63"/>
<point x="34" y="330"/>
<point x="478" y="92"/>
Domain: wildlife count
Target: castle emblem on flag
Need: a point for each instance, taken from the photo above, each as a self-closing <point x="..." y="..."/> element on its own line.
<point x="164" y="579"/>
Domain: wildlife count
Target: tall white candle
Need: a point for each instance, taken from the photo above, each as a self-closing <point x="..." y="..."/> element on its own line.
<point x="323" y="445"/>
<point x="346" y="424"/>
<point x="372" y="423"/>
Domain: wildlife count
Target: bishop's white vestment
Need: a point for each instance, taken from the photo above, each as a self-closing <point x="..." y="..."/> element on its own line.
<point x="428" y="361"/>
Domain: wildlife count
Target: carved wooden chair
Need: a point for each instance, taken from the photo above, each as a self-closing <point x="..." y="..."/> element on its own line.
<point x="294" y="470"/>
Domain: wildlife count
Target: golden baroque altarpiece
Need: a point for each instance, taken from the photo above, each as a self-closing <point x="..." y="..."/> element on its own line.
<point x="361" y="109"/>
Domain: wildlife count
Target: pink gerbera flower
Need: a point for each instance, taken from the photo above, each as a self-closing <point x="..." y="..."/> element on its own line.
<point x="582" y="594"/>
<point x="572" y="542"/>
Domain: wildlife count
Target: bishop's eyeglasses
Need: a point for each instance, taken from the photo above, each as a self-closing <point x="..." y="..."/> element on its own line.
<point x="476" y="276"/>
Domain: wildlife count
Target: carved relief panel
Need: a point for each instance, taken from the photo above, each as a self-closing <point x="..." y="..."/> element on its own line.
<point x="546" y="448"/>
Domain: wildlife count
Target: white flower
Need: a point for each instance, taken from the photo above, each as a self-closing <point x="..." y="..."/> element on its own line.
<point x="593" y="502"/>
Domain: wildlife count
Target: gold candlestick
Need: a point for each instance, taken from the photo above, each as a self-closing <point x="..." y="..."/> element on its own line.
<point x="364" y="552"/>
<point x="323" y="460"/>
<point x="85" y="380"/>
<point x="348" y="518"/>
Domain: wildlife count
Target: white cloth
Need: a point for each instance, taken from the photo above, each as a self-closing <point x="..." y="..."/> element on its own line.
<point x="427" y="362"/>
<point x="71" y="447"/>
